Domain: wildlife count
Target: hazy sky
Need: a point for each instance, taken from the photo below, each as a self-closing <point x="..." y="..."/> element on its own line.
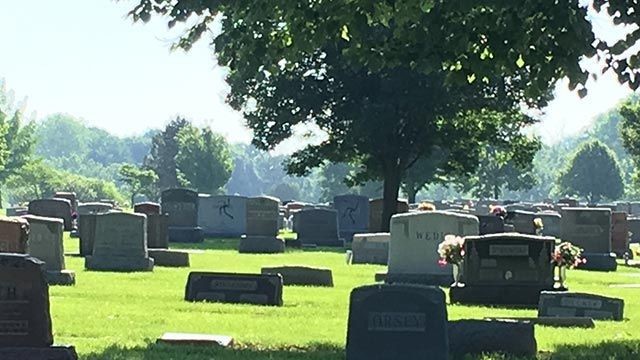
<point x="87" y="59"/>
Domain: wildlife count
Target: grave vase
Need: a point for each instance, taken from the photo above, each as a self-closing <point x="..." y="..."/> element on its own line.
<point x="562" y="277"/>
<point x="457" y="272"/>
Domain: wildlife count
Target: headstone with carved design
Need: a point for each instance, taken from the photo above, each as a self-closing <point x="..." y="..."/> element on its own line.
<point x="399" y="321"/>
<point x="413" y="249"/>
<point x="505" y="269"/>
<point x="25" y="321"/>
<point x="353" y="215"/>
<point x="222" y="216"/>
<point x="45" y="243"/>
<point x="182" y="207"/>
<point x="120" y="243"/>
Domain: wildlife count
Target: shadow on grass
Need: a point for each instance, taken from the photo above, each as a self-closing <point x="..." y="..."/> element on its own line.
<point x="232" y="244"/>
<point x="166" y="352"/>
<point x="619" y="350"/>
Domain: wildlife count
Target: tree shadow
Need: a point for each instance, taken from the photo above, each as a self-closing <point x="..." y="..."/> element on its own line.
<point x="238" y="352"/>
<point x="232" y="244"/>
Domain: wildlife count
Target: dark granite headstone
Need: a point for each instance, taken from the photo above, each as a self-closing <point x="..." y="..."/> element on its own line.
<point x="318" y="227"/>
<point x="71" y="196"/>
<point x="397" y="321"/>
<point x="182" y="207"/>
<point x="235" y="288"/>
<point x="14" y="235"/>
<point x="157" y="225"/>
<point x="551" y="222"/>
<point x="634" y="229"/>
<point x="590" y="229"/>
<point x="54" y="208"/>
<point x="353" y="215"/>
<point x="476" y="337"/>
<point x="505" y="269"/>
<point x="522" y="221"/>
<point x="262" y="227"/>
<point x="566" y="304"/>
<point x="147" y="208"/>
<point x="491" y="224"/>
<point x="302" y="275"/>
<point x="87" y="232"/>
<point x="619" y="234"/>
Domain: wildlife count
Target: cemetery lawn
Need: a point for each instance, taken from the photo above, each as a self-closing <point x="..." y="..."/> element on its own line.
<point x="110" y="315"/>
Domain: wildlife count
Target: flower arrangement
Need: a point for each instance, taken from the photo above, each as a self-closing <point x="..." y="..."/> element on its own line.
<point x="538" y="225"/>
<point x="568" y="255"/>
<point x="451" y="250"/>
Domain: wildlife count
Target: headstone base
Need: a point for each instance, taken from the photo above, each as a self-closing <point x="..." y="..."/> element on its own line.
<point x="118" y="264"/>
<point x="525" y="296"/>
<point x="293" y="244"/>
<point x="169" y="258"/>
<point x="48" y="353"/>
<point x="186" y="234"/>
<point x="419" y="279"/>
<point x="323" y="242"/>
<point x="481" y="336"/>
<point x="261" y="245"/>
<point x="599" y="262"/>
<point x="64" y="277"/>
<point x="302" y="275"/>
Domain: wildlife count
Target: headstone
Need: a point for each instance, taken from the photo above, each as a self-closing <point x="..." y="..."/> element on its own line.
<point x="222" y="216"/>
<point x="45" y="243"/>
<point x="302" y="275"/>
<point x="169" y="258"/>
<point x="182" y="207"/>
<point x="157" y="225"/>
<point x="568" y="202"/>
<point x="522" y="221"/>
<point x="590" y="229"/>
<point x="623" y="207"/>
<point x="478" y="337"/>
<point x="94" y="208"/>
<point x="120" y="243"/>
<point x="505" y="269"/>
<point x="370" y="248"/>
<point x="375" y="213"/>
<point x="14" y="235"/>
<point x="318" y="227"/>
<point x="580" y="305"/>
<point x="71" y="196"/>
<point x="551" y="222"/>
<point x="54" y="208"/>
<point x="262" y="227"/>
<point x="256" y="289"/>
<point x="619" y="234"/>
<point x="147" y="208"/>
<point x="86" y="224"/>
<point x="413" y="250"/>
<point x="634" y="208"/>
<point x="490" y="224"/>
<point x="353" y="215"/>
<point x="406" y="320"/>
<point x="17" y="211"/>
<point x="634" y="229"/>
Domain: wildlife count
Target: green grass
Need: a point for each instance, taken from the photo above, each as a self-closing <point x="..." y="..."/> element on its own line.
<point x="119" y="315"/>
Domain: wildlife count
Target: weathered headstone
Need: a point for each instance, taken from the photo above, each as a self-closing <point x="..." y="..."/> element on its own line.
<point x="413" y="250"/>
<point x="301" y="275"/>
<point x="590" y="229"/>
<point x="375" y="213"/>
<point x="157" y="225"/>
<point x="16" y="211"/>
<point x="256" y="289"/>
<point x="71" y="196"/>
<point x="45" y="243"/>
<point x="262" y="227"/>
<point x="490" y="224"/>
<point x="318" y="227"/>
<point x="580" y="305"/>
<point x="634" y="229"/>
<point x="397" y="321"/>
<point x="25" y="321"/>
<point x="353" y="215"/>
<point x="370" y="248"/>
<point x="223" y="216"/>
<point x="14" y="235"/>
<point x="120" y="243"/>
<point x="182" y="207"/>
<point x="619" y="234"/>
<point x="54" y="208"/>
<point x="505" y="269"/>
<point x="86" y="224"/>
<point x="551" y="223"/>
<point x="522" y="221"/>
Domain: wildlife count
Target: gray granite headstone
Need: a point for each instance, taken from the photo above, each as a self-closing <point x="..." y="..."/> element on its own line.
<point x="86" y="224"/>
<point x="45" y="243"/>
<point x="569" y="304"/>
<point x="258" y="289"/>
<point x="222" y="216"/>
<point x="370" y="248"/>
<point x="413" y="250"/>
<point x="353" y="215"/>
<point x="120" y="243"/>
<point x="397" y="321"/>
<point x="318" y="227"/>
<point x="590" y="229"/>
<point x="262" y="227"/>
<point x="54" y="208"/>
<point x="182" y="207"/>
<point x="551" y="223"/>
<point x="522" y="221"/>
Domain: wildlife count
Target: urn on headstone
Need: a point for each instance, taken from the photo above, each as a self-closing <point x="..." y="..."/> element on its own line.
<point x="45" y="243"/>
<point x="505" y="269"/>
<point x="222" y="216"/>
<point x="397" y="321"/>
<point x="182" y="207"/>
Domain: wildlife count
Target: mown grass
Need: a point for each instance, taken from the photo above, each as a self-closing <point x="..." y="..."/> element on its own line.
<point x="111" y="315"/>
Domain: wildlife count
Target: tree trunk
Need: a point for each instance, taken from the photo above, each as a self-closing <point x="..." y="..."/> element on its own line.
<point x="496" y="192"/>
<point x="411" y="194"/>
<point x="390" y="197"/>
<point x="133" y="200"/>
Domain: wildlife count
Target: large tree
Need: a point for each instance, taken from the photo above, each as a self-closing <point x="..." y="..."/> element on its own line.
<point x="163" y="153"/>
<point x="592" y="173"/>
<point x="387" y="80"/>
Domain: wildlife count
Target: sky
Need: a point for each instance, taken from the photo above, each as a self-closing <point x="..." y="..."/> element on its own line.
<point x="87" y="59"/>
